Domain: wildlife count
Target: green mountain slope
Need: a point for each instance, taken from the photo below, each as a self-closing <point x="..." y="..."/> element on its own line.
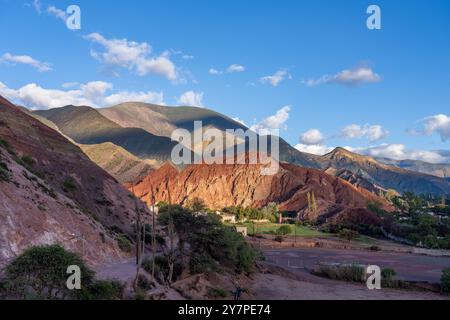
<point x="85" y="125"/>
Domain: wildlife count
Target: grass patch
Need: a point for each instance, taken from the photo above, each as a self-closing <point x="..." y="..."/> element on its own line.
<point x="272" y="228"/>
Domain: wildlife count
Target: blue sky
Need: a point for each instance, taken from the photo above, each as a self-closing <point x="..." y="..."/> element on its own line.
<point x="294" y="65"/>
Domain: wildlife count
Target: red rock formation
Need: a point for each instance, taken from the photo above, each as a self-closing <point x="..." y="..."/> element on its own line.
<point x="243" y="185"/>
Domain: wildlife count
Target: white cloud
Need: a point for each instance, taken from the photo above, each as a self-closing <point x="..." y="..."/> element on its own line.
<point x="235" y="68"/>
<point x="214" y="71"/>
<point x="391" y="151"/>
<point x="37" y="6"/>
<point x="67" y="85"/>
<point x="314" y="149"/>
<point x="350" y="77"/>
<point x="371" y="132"/>
<point x="440" y="124"/>
<point x="126" y="96"/>
<point x="274" y="122"/>
<point x="191" y="98"/>
<point x="275" y="79"/>
<point x="27" y="60"/>
<point x="240" y="121"/>
<point x="133" y="56"/>
<point x="187" y="57"/>
<point x="92" y="94"/>
<point x="312" y="137"/>
<point x="58" y="13"/>
<point x="400" y="152"/>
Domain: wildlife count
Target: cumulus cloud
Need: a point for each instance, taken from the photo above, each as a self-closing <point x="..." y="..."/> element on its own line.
<point x="275" y="79"/>
<point x="312" y="137"/>
<point x="400" y="152"/>
<point x="351" y="77"/>
<point x="274" y="122"/>
<point x="133" y="56"/>
<point x="440" y="124"/>
<point x="314" y="149"/>
<point x="235" y="68"/>
<point x="27" y="60"/>
<point x="191" y="98"/>
<point x="214" y="71"/>
<point x="371" y="132"/>
<point x="92" y="94"/>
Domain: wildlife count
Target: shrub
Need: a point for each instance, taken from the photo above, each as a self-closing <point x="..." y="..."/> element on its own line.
<point x="69" y="185"/>
<point x="352" y="272"/>
<point x="348" y="235"/>
<point x="284" y="230"/>
<point x="124" y="243"/>
<point x="4" y="172"/>
<point x="388" y="274"/>
<point x="445" y="280"/>
<point x="28" y="160"/>
<point x="103" y="290"/>
<point x="217" y="293"/>
<point x="40" y="273"/>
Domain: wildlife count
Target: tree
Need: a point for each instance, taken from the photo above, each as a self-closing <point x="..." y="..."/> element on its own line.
<point x="197" y="205"/>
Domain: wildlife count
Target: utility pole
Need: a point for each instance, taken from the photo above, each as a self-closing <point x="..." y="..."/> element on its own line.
<point x="171" y="232"/>
<point x="138" y="239"/>
<point x="153" y="234"/>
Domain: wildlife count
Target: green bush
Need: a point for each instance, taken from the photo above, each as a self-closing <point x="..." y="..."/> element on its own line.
<point x="445" y="280"/>
<point x="352" y="272"/>
<point x="217" y="293"/>
<point x="40" y="273"/>
<point x="69" y="185"/>
<point x="388" y="274"/>
<point x="103" y="290"/>
<point x="28" y="160"/>
<point x="124" y="244"/>
<point x="348" y="235"/>
<point x="284" y="230"/>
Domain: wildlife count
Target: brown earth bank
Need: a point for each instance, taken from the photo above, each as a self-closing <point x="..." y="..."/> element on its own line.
<point x="220" y="185"/>
<point x="52" y="193"/>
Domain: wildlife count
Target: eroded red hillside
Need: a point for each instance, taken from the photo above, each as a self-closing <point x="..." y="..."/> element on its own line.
<point x="52" y="193"/>
<point x="220" y="186"/>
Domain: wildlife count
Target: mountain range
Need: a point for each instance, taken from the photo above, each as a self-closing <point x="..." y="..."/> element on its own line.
<point x="144" y="131"/>
<point x="64" y="175"/>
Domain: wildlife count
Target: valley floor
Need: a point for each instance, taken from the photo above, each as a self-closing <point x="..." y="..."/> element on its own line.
<point x="287" y="275"/>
